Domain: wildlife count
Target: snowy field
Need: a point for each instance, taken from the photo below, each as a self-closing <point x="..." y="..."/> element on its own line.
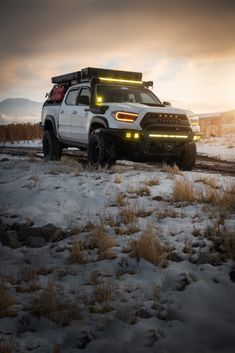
<point x="219" y="147"/>
<point x="138" y="258"/>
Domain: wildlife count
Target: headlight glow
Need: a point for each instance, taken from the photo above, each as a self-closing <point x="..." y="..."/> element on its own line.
<point x="125" y="117"/>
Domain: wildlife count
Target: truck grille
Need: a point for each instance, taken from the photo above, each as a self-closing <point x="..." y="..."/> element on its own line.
<point x="162" y="121"/>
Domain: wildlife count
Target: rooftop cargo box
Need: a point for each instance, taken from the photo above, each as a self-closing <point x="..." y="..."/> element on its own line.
<point x="91" y="72"/>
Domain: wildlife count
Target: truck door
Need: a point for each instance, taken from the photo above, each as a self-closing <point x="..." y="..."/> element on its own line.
<point x="67" y="111"/>
<point x="80" y="118"/>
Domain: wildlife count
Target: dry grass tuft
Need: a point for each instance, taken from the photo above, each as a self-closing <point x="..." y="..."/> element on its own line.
<point x="6" y="347"/>
<point x="210" y="181"/>
<point x="77" y="253"/>
<point x="222" y="198"/>
<point x="6" y="301"/>
<point x="132" y="229"/>
<point x="130" y="213"/>
<point x="183" y="190"/>
<point x="102" y="241"/>
<point x="47" y="303"/>
<point x="141" y="191"/>
<point x="28" y="274"/>
<point x="223" y="240"/>
<point x="120" y="199"/>
<point x="51" y="305"/>
<point x="103" y="291"/>
<point x="152" y="181"/>
<point x="168" y="212"/>
<point x="94" y="278"/>
<point x="149" y="248"/>
<point x="118" y="179"/>
<point x="171" y="169"/>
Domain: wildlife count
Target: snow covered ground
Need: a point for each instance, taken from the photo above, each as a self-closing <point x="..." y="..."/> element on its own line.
<point x="142" y="261"/>
<point x="219" y="147"/>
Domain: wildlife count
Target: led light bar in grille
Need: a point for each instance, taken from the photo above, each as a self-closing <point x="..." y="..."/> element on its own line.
<point x="168" y="136"/>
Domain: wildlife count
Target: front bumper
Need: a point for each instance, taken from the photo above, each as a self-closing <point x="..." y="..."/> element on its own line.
<point x="158" y="144"/>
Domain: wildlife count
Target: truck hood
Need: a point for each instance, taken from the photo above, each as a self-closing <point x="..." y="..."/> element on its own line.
<point x="137" y="108"/>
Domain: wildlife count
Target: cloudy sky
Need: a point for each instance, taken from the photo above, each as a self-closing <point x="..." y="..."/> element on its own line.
<point x="186" y="46"/>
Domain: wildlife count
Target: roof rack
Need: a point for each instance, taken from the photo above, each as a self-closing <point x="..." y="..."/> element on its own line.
<point x="90" y="72"/>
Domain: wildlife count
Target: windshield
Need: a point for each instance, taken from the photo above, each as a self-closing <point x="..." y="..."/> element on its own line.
<point x="126" y="94"/>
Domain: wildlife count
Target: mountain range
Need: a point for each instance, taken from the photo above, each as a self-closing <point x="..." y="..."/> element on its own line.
<point x="18" y="110"/>
<point x="22" y="110"/>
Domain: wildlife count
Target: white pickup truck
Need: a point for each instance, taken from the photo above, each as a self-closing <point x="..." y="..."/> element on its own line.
<point x="114" y="115"/>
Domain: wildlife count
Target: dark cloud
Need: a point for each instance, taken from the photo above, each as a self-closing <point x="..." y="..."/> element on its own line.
<point x="186" y="27"/>
<point x="53" y="32"/>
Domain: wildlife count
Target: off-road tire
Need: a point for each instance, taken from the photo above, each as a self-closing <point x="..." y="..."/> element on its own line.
<point x="101" y="150"/>
<point x="52" y="149"/>
<point x="187" y="159"/>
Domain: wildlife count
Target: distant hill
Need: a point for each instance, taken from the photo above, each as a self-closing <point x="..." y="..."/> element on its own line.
<point x="19" y="110"/>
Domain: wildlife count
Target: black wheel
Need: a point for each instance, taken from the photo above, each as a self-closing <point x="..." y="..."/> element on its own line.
<point x="188" y="157"/>
<point x="51" y="146"/>
<point x="101" y="150"/>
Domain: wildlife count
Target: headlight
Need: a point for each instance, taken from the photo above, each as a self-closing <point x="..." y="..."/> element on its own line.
<point x="194" y="120"/>
<point x="125" y="116"/>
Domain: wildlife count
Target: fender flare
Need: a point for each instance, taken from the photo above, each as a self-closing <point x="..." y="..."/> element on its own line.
<point x="102" y="121"/>
<point x="52" y="120"/>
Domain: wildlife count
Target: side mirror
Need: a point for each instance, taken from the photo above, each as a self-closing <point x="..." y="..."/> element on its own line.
<point x="84" y="100"/>
<point x="167" y="104"/>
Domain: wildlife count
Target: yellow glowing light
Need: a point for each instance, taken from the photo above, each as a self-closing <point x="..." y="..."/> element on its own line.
<point x="99" y="99"/>
<point x="136" y="135"/>
<point x="128" y="135"/>
<point x="194" y="124"/>
<point x="126" y="117"/>
<point x="169" y="136"/>
<point x="109" y="79"/>
<point x="197" y="138"/>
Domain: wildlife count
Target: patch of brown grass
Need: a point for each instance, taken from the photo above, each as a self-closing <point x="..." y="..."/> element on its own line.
<point x="51" y="305"/>
<point x="140" y="191"/>
<point x="99" y="239"/>
<point x="148" y="247"/>
<point x="223" y="240"/>
<point x="20" y="132"/>
<point x="77" y="254"/>
<point x="95" y="277"/>
<point x="28" y="274"/>
<point x="183" y="190"/>
<point x="6" y="301"/>
<point x="152" y="181"/>
<point x="120" y="199"/>
<point x="223" y="198"/>
<point x="174" y="170"/>
<point x="210" y="181"/>
<point x="130" y="213"/>
<point x="6" y="347"/>
<point x="118" y="179"/>
<point x="104" y="291"/>
<point x="168" y="212"/>
<point x="132" y="229"/>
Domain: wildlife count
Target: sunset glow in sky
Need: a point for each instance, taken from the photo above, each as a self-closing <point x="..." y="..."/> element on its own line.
<point x="186" y="47"/>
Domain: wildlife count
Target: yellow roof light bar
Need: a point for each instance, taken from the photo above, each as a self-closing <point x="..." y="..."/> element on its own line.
<point x="168" y="136"/>
<point x="110" y="79"/>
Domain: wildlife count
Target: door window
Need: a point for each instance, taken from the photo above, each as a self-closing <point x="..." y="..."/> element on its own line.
<point x="85" y="92"/>
<point x="72" y="97"/>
